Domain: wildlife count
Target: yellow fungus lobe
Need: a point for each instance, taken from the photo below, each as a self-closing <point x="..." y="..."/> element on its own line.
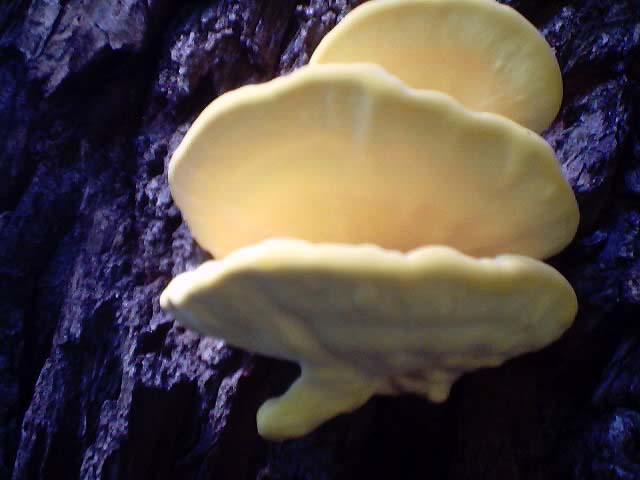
<point x="482" y="53"/>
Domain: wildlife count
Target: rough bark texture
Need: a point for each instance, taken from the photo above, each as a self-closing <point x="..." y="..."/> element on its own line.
<point x="97" y="383"/>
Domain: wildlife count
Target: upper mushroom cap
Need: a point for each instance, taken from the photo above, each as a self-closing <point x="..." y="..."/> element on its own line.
<point x="362" y="320"/>
<point x="349" y="154"/>
<point x="484" y="54"/>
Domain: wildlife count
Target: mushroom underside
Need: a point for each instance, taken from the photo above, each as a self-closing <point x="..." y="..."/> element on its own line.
<point x="363" y="320"/>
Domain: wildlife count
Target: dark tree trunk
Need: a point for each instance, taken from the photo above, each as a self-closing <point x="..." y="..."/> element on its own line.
<point x="96" y="382"/>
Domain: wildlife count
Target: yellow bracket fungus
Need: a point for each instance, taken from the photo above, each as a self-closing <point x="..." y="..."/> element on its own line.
<point x="386" y="238"/>
<point x="480" y="52"/>
<point x="362" y="320"/>
<point x="349" y="154"/>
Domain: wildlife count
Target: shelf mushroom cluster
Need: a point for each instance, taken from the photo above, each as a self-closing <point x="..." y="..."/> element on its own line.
<point x="380" y="215"/>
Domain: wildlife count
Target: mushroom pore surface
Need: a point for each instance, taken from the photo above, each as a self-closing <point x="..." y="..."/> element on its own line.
<point x="362" y="320"/>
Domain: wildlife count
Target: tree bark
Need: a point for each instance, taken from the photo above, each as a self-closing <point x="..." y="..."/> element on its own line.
<point x="96" y="382"/>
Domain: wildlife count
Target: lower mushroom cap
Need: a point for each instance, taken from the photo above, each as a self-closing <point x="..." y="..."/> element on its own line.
<point x="362" y="320"/>
<point x="348" y="154"/>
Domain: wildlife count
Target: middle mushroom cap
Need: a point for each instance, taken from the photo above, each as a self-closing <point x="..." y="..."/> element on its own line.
<point x="349" y="154"/>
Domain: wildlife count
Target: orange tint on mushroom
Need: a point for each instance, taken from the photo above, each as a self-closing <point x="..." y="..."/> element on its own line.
<point x="484" y="54"/>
